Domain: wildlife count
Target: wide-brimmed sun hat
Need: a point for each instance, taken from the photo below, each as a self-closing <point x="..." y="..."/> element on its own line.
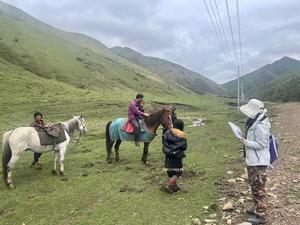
<point x="252" y="108"/>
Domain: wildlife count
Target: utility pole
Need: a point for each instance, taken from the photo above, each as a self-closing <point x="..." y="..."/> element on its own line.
<point x="238" y="89"/>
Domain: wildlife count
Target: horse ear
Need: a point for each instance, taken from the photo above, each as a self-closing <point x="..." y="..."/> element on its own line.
<point x="81" y="116"/>
<point x="74" y="116"/>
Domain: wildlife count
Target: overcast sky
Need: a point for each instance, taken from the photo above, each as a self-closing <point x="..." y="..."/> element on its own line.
<point x="180" y="30"/>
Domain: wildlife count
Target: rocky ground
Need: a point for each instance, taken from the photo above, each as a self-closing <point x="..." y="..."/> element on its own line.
<point x="283" y="186"/>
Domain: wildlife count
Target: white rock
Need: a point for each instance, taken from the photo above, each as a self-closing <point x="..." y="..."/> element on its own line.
<point x="229" y="172"/>
<point x="229" y="221"/>
<point x="240" y="179"/>
<point x="210" y="221"/>
<point x="273" y="189"/>
<point x="242" y="200"/>
<point x="244" y="176"/>
<point x="245" y="192"/>
<point x="196" y="221"/>
<point x="214" y="215"/>
<point x="228" y="206"/>
<point x="245" y="223"/>
<point x="271" y="195"/>
<point x="231" y="181"/>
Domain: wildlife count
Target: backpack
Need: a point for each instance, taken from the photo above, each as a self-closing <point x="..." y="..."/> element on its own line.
<point x="273" y="148"/>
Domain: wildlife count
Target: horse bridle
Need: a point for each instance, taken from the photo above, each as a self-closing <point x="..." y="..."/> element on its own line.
<point x="82" y="124"/>
<point x="164" y="119"/>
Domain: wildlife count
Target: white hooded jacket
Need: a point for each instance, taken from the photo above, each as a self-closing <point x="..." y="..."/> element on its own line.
<point x="257" y="143"/>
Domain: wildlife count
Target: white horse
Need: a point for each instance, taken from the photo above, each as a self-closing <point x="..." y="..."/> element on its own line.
<point x="16" y="141"/>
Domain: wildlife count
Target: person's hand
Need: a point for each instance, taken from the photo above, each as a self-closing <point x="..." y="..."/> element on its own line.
<point x="242" y="140"/>
<point x="146" y="114"/>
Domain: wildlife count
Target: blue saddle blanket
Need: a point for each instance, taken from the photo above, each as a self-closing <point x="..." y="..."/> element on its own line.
<point x="116" y="132"/>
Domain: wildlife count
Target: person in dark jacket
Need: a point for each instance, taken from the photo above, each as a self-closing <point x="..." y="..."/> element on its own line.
<point x="174" y="147"/>
<point x="39" y="124"/>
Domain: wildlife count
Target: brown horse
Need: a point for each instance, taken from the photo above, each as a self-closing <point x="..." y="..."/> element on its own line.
<point x="115" y="135"/>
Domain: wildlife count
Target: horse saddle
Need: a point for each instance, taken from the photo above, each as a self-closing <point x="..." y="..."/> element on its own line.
<point x="52" y="135"/>
<point x="129" y="128"/>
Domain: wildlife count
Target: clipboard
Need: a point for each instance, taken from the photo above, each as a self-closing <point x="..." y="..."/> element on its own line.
<point x="236" y="130"/>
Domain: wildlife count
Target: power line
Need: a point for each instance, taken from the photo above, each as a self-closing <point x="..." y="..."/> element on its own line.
<point x="217" y="34"/>
<point x="223" y="31"/>
<point x="239" y="32"/>
<point x="236" y="57"/>
<point x="231" y="32"/>
<point x="240" y="45"/>
<point x="223" y="38"/>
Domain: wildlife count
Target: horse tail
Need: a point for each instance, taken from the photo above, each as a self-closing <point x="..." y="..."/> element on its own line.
<point x="107" y="136"/>
<point x="6" y="154"/>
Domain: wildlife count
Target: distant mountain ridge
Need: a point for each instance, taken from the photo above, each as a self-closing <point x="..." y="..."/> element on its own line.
<point x="279" y="81"/>
<point x="171" y="71"/>
<point x="79" y="60"/>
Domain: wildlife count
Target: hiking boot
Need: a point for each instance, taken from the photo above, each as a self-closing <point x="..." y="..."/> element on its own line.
<point x="256" y="220"/>
<point x="169" y="189"/>
<point x="175" y="188"/>
<point x="171" y="186"/>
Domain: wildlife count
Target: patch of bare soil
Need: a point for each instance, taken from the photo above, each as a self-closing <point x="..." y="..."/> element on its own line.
<point x="283" y="185"/>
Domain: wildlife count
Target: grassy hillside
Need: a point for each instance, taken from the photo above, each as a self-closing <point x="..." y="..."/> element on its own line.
<point x="278" y="81"/>
<point x="77" y="59"/>
<point x="62" y="74"/>
<point x="285" y="88"/>
<point x="69" y="57"/>
<point x="96" y="198"/>
<point x="171" y="71"/>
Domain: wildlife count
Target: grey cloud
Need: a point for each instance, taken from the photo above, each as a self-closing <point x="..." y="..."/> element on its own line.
<point x="180" y="31"/>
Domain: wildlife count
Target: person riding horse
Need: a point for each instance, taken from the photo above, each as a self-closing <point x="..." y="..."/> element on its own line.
<point x="135" y="113"/>
<point x="39" y="124"/>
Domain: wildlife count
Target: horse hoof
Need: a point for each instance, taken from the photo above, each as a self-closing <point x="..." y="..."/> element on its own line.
<point x="62" y="174"/>
<point x="11" y="186"/>
<point x="54" y="172"/>
<point x="146" y="163"/>
<point x="38" y="166"/>
<point x="108" y="161"/>
<point x="117" y="159"/>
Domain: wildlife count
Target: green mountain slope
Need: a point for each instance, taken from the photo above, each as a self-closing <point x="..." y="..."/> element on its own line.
<point x="285" y="88"/>
<point x="171" y="71"/>
<point x="70" y="57"/>
<point x="278" y="81"/>
<point x="78" y="59"/>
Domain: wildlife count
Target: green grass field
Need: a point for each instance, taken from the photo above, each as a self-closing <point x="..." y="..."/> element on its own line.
<point x="63" y="74"/>
<point x="41" y="198"/>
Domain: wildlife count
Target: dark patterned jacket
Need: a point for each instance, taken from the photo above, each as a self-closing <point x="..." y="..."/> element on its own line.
<point x="174" y="143"/>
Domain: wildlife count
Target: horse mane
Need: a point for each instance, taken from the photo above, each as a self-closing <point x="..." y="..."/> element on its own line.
<point x="71" y="125"/>
<point x="154" y="118"/>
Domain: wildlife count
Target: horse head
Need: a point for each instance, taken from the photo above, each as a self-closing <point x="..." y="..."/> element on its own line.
<point x="166" y="119"/>
<point x="81" y="126"/>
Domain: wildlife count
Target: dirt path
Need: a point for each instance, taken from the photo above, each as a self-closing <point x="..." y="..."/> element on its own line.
<point x="285" y="178"/>
<point x="283" y="186"/>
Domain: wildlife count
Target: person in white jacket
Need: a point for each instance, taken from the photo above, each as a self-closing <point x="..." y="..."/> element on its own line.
<point x="257" y="155"/>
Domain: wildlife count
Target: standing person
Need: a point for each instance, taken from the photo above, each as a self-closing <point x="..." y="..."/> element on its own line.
<point x="174" y="146"/>
<point x="39" y="124"/>
<point x="134" y="113"/>
<point x="257" y="156"/>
